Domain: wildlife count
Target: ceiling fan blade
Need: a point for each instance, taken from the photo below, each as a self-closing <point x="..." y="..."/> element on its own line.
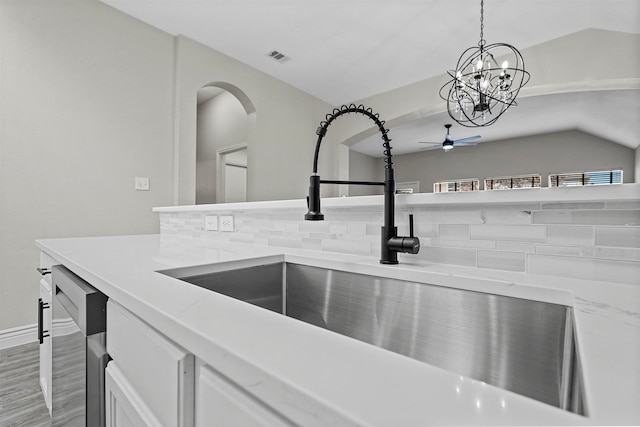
<point x="429" y="142"/>
<point x="465" y="144"/>
<point x="470" y="138"/>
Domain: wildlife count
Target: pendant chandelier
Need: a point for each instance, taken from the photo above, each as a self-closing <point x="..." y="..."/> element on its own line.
<point x="481" y="88"/>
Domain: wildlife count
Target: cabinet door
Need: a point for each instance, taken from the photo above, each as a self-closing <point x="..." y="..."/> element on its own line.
<point x="123" y="406"/>
<point x="45" y="347"/>
<point x="220" y="402"/>
<point x="160" y="371"/>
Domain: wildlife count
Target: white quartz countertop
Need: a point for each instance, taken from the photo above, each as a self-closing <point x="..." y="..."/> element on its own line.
<point x="333" y="380"/>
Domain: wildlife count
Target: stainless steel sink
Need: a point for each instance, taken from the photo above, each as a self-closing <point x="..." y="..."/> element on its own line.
<point x="524" y="346"/>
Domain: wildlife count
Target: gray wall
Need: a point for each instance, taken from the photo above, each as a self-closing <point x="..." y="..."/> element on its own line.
<point x="571" y="151"/>
<point x="365" y="168"/>
<point x="85" y="106"/>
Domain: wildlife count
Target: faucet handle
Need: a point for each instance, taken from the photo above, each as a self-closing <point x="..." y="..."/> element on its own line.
<point x="411" y="225"/>
<point x="408" y="245"/>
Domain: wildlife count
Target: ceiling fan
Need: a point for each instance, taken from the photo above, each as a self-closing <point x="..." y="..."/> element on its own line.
<point x="449" y="142"/>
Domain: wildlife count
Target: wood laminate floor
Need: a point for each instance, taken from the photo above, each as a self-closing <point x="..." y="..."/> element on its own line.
<point x="21" y="400"/>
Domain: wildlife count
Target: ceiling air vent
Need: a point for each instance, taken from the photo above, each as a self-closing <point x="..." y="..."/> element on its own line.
<point x="278" y="56"/>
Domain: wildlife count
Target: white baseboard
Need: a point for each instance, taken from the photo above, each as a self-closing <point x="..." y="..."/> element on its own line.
<point x="17" y="336"/>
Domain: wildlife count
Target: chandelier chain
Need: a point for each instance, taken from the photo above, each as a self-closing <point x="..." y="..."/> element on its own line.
<point x="482" y="42"/>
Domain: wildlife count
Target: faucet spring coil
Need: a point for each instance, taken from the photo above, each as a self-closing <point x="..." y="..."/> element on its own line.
<point x="358" y="109"/>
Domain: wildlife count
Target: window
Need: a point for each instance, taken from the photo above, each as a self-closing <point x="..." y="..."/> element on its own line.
<point x="585" y="178"/>
<point x="512" y="182"/>
<point x="458" y="185"/>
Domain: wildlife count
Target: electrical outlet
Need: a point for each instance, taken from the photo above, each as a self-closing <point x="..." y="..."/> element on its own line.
<point x="211" y="222"/>
<point x="226" y="223"/>
<point x="142" y="183"/>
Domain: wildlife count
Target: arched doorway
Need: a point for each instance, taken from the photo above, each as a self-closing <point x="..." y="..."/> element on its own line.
<point x="223" y="130"/>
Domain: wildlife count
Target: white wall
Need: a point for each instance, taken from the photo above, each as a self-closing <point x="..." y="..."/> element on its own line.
<point x="235" y="183"/>
<point x="85" y="106"/>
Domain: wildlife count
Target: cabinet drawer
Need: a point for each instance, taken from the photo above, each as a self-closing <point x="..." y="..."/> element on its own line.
<point x="161" y="372"/>
<point x="220" y="402"/>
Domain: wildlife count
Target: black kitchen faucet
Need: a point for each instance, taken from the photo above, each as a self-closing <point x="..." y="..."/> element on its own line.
<point x="391" y="243"/>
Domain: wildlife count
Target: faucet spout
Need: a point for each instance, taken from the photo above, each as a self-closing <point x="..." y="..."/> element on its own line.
<point x="391" y="243"/>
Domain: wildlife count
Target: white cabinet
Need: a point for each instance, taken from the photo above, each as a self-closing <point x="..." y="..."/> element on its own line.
<point x="124" y="407"/>
<point x="221" y="402"/>
<point x="154" y="370"/>
<point x="45" y="324"/>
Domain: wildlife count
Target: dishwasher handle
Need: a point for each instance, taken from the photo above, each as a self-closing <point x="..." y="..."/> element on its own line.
<point x="42" y="334"/>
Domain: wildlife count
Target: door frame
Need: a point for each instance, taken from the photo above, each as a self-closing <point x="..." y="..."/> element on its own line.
<point x="220" y="169"/>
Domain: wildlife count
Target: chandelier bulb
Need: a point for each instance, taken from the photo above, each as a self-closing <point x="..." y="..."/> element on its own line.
<point x="505" y="65"/>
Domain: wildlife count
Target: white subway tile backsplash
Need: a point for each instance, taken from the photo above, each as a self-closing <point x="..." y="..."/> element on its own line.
<point x="315" y="226"/>
<point x="474" y="244"/>
<point x="292" y="227"/>
<point x="516" y="247"/>
<point x="594" y="217"/>
<point x="242" y="237"/>
<point x="336" y="227"/>
<point x="455" y="256"/>
<point x="571" y="234"/>
<point x="591" y="240"/>
<point x="312" y="244"/>
<point x="558" y="250"/>
<point x="518" y="233"/>
<point x="348" y="247"/>
<point x="357" y="228"/>
<point x="628" y="237"/>
<point x="611" y="253"/>
<point x="287" y="242"/>
<point x="454" y="231"/>
<point x="498" y="260"/>
<point x="454" y="217"/>
<point x="423" y="230"/>
<point x="494" y="216"/>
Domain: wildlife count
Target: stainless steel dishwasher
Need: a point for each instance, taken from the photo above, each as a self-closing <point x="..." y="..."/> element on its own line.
<point x="79" y="351"/>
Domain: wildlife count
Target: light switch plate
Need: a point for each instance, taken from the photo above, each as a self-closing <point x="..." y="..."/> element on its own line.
<point x="211" y="222"/>
<point x="226" y="223"/>
<point x="142" y="183"/>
